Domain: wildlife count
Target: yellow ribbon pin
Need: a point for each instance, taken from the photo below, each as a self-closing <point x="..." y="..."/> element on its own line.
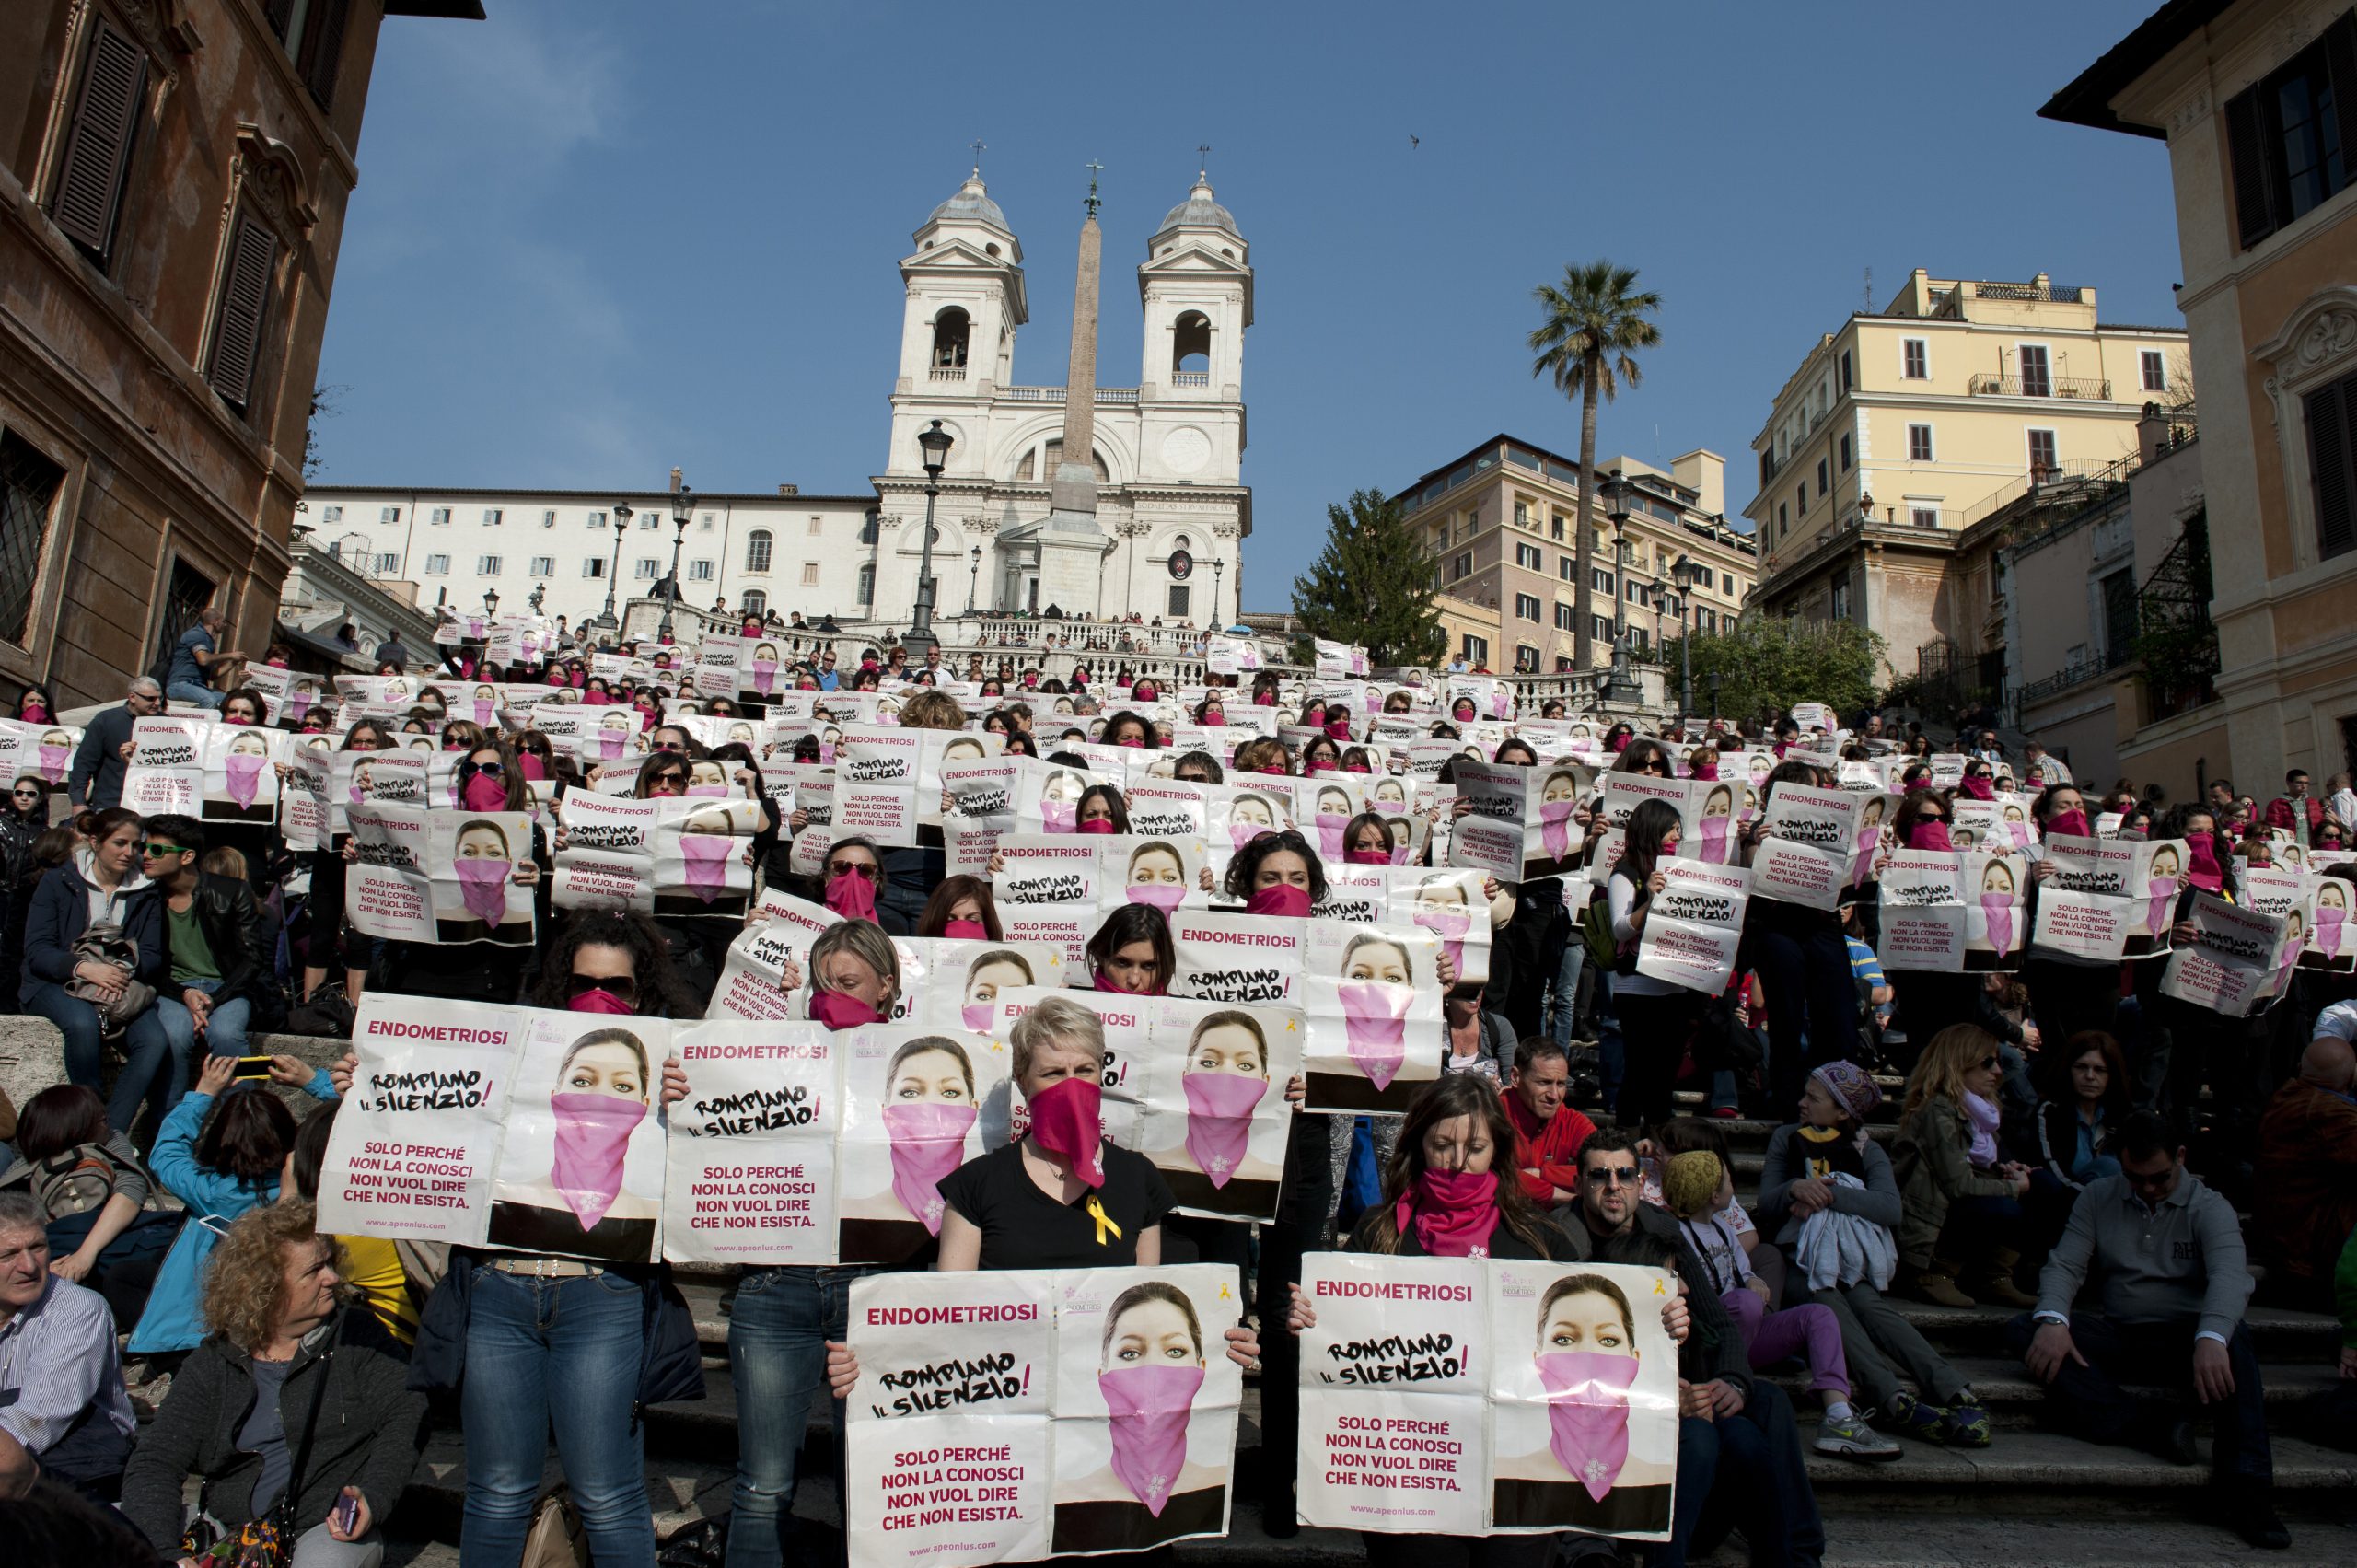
<point x="1097" y="1212"/>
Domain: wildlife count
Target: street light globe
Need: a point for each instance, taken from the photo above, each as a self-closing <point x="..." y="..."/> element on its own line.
<point x="682" y="501"/>
<point x="935" y="442"/>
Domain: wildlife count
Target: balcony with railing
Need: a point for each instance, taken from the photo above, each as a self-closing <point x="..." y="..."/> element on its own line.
<point x="948" y="373"/>
<point x="2080" y="388"/>
<point x="1190" y="377"/>
<point x="1115" y="396"/>
<point x="2075" y="674"/>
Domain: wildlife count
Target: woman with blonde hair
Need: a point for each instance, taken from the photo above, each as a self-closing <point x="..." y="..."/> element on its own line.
<point x="295" y="1412"/>
<point x="1960" y="1207"/>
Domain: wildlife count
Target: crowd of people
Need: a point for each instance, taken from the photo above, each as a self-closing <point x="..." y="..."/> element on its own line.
<point x="2070" y="1144"/>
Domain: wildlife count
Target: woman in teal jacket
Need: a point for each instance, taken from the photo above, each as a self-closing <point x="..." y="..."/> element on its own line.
<point x="220" y="1151"/>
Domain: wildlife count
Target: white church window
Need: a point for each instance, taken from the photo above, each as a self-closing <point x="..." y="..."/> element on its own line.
<point x="1179" y="598"/>
<point x="757" y="551"/>
<point x="648" y="570"/>
<point x="756" y="601"/>
<point x="867" y="584"/>
<point x="543" y="565"/>
<point x="1191" y="350"/>
<point x="699" y="571"/>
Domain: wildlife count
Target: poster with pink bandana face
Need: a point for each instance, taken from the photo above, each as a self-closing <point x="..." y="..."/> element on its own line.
<point x="1215" y="1118"/>
<point x="1144" y="1407"/>
<point x="751" y="1157"/>
<point x="703" y="862"/>
<point x="918" y="1101"/>
<point x="1164" y="872"/>
<point x="166" y="772"/>
<point x="772" y="950"/>
<point x="1454" y="905"/>
<point x="241" y="772"/>
<point x="1047" y="796"/>
<point x="1694" y="925"/>
<point x="2331" y="944"/>
<point x="1373" y="996"/>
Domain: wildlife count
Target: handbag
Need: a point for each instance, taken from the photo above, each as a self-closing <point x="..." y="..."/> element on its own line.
<point x="269" y="1541"/>
<point x="104" y="942"/>
<point x="557" y="1538"/>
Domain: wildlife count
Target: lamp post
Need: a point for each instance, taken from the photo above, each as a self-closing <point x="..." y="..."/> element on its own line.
<point x="1620" y="684"/>
<point x="623" y="515"/>
<point x="682" y="501"/>
<point x="1219" y="570"/>
<point x="1714" y="695"/>
<point x="935" y="442"/>
<point x="1687" y="572"/>
<point x="974" y="579"/>
<point x="540" y="594"/>
<point x="491" y="601"/>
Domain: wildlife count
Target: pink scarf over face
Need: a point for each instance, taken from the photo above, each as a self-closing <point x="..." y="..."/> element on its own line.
<point x="852" y="896"/>
<point x="480" y="793"/>
<point x="483" y="886"/>
<point x="1164" y="896"/>
<point x="1219" y="1119"/>
<point x="2330" y="918"/>
<point x="1928" y="836"/>
<point x="1279" y="899"/>
<point x="1375" y="1027"/>
<point x="1098" y="825"/>
<point x="1714" y="840"/>
<point x="242" y="774"/>
<point x="1367" y="857"/>
<point x="1998" y="910"/>
<point x="928" y="1141"/>
<point x="1066" y="1122"/>
<point x="2071" y="824"/>
<point x="1450" y="926"/>
<point x="841" y="1010"/>
<point x="1555" y="827"/>
<point x="592" y="1138"/>
<point x="1452" y="1213"/>
<point x="1058" y="815"/>
<point x="1149" y="1406"/>
<point x="1329" y="835"/>
<point x="1978" y="788"/>
<point x="2202" y="862"/>
<point x="2163" y="892"/>
<point x="1587" y="1412"/>
<point x="965" y="931"/>
<point x="705" y="856"/>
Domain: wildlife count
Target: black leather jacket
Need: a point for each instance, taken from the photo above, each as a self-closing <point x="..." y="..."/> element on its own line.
<point x="231" y="921"/>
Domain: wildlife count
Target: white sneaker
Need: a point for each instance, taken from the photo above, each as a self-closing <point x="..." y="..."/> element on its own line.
<point x="1851" y="1438"/>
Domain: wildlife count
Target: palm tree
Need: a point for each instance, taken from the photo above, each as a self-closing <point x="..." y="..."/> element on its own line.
<point x="1594" y="322"/>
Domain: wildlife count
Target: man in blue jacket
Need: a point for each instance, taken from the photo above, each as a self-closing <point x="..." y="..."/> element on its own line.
<point x="96" y="778"/>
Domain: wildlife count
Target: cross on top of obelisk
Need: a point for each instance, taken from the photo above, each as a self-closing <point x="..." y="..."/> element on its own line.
<point x="1203" y="171"/>
<point x="980" y="147"/>
<point x="1094" y="169"/>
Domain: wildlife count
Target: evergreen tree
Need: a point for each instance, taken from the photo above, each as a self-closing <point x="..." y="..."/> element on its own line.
<point x="1372" y="585"/>
<point x="1770" y="662"/>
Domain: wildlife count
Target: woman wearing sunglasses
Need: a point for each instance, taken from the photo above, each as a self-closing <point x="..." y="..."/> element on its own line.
<point x="331" y="935"/>
<point x="488" y="778"/>
<point x="1803" y="962"/>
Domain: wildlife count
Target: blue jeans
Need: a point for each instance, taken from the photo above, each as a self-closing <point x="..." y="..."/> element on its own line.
<point x="1564" y="1004"/>
<point x="203" y="696"/>
<point x="562" y="1353"/>
<point x="778" y="1331"/>
<point x="225" y="1026"/>
<point x="156" y="1048"/>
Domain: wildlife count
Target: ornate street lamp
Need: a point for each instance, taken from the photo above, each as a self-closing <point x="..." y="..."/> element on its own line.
<point x="623" y="515"/>
<point x="974" y="579"/>
<point x="1219" y="573"/>
<point x="1619" y="682"/>
<point x="491" y="601"/>
<point x="682" y="503"/>
<point x="935" y="442"/>
<point x="1687" y="572"/>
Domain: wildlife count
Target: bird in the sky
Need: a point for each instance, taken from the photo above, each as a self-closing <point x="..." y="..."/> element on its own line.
<point x="1414" y="141"/>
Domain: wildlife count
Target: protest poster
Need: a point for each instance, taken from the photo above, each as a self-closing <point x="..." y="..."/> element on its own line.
<point x="166" y="770"/>
<point x="42" y="751"/>
<point x="1047" y="796"/>
<point x="774" y="947"/>
<point x="303" y="803"/>
<point x="385" y="890"/>
<point x="1046" y="868"/>
<point x="958" y="980"/>
<point x="1324" y="804"/>
<point x="1805" y="857"/>
<point x="1215" y="1122"/>
<point x="607" y="735"/>
<point x="814" y="797"/>
<point x="1064" y="929"/>
<point x="703" y="858"/>
<point x="982" y="811"/>
<point x="1241" y="813"/>
<point x="757" y="659"/>
<point x="918" y="1101"/>
<point x="1354" y="892"/>
<point x="2239" y="959"/>
<point x="1973" y="824"/>
<point x="605" y="856"/>
<point x="749" y="1171"/>
<point x="240" y="776"/>
<point x="1452" y="905"/>
<point x="1235" y="957"/>
<point x="715" y="664"/>
<point x="1947" y="911"/>
<point x="1519" y="823"/>
<point x="440" y="876"/>
<point x="1367" y="989"/>
<point x="1164" y="872"/>
<point x="1085" y="1412"/>
<point x="1873" y="807"/>
<point x="2270" y="891"/>
<point x="1167" y="808"/>
<point x="1694" y="925"/>
<point x="1337" y="661"/>
<point x="2118" y="896"/>
<point x="1469" y="1397"/>
<point x="505" y="1127"/>
<point x="2329" y="945"/>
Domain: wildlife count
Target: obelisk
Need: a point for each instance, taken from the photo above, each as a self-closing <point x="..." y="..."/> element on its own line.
<point x="1073" y="489"/>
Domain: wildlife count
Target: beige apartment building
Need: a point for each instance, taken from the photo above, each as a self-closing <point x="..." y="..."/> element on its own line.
<point x="2266" y="227"/>
<point x="1904" y="432"/>
<point x="1501" y="525"/>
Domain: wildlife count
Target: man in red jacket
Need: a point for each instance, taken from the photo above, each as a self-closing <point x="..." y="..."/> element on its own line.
<point x="1546" y="1132"/>
<point x="2296" y="808"/>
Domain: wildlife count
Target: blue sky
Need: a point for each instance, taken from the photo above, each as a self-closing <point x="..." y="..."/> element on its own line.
<point x="594" y="238"/>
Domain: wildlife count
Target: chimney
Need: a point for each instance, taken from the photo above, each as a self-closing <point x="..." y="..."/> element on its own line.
<point x="789" y="490"/>
<point x="2152" y="432"/>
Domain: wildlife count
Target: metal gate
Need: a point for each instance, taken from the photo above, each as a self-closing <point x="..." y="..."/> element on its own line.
<point x="190" y="592"/>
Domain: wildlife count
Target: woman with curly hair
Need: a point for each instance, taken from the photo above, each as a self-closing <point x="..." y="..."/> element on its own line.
<point x="295" y="1410"/>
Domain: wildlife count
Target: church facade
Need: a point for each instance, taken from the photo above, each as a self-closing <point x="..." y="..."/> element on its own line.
<point x="1152" y="523"/>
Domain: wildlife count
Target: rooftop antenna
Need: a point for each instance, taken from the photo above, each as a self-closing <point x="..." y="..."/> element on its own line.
<point x="980" y="147"/>
<point x="1203" y="170"/>
<point x="1094" y="169"/>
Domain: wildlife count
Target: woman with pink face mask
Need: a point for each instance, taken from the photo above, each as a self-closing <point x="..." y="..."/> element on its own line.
<point x="1366" y="841"/>
<point x="1931" y="1000"/>
<point x="495" y="874"/>
<point x="1060" y="1197"/>
<point x="331" y="935"/>
<point x="2069" y="994"/>
<point x="855" y="975"/>
<point x="603" y="1093"/>
<point x="1101" y="809"/>
<point x="962" y="909"/>
<point x="1132" y="952"/>
<point x="1126" y="729"/>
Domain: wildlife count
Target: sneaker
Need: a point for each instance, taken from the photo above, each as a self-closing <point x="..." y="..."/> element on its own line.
<point x="1964" y="1425"/>
<point x="1851" y="1438"/>
<point x="1910" y="1417"/>
<point x="1728" y="1113"/>
<point x="2250" y="1513"/>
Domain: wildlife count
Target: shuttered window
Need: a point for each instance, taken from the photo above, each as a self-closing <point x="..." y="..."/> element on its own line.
<point x="29" y="486"/>
<point x="2292" y="137"/>
<point x="99" y="142"/>
<point x="245" y="295"/>
<point x="2332" y="460"/>
<point x="323" y="49"/>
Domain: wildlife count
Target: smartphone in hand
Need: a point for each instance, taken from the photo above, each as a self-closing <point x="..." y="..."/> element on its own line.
<point x="347" y="1512"/>
<point x="252" y="1069"/>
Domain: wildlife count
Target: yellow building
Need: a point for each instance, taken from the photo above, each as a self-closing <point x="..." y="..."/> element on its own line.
<point x="1908" y="426"/>
<point x="2264" y="211"/>
<point x="1502" y="523"/>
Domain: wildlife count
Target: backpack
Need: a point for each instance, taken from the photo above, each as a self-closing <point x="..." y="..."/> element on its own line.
<point x="75" y="1182"/>
<point x="1596" y="930"/>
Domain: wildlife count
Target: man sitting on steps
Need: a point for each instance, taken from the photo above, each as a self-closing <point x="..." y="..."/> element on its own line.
<point x="2166" y="1256"/>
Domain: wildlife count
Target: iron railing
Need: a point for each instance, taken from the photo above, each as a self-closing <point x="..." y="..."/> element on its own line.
<point x="2081" y="388"/>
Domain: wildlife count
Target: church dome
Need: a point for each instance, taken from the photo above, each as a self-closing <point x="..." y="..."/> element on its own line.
<point x="972" y="205"/>
<point x="1199" y="211"/>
